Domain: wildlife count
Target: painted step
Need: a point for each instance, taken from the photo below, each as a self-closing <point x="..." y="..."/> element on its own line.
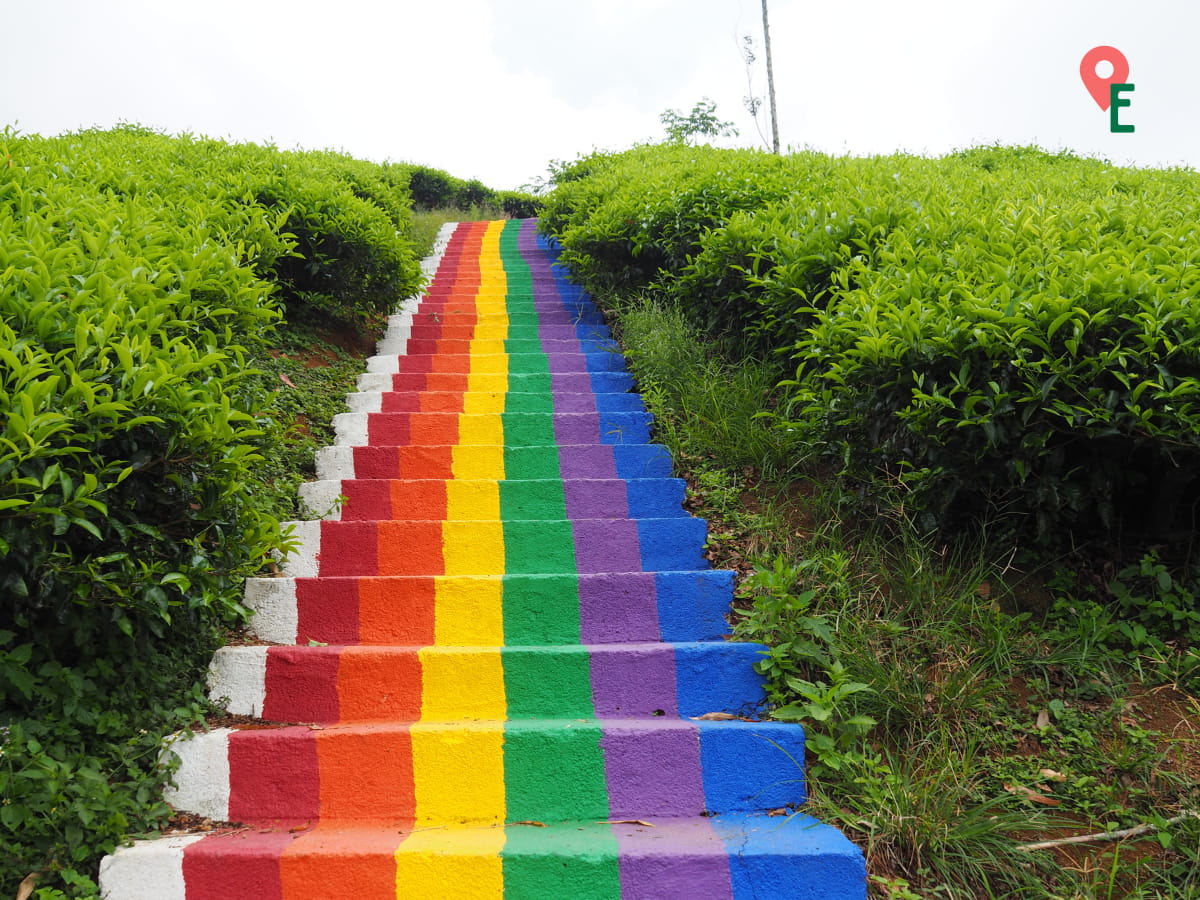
<point x="489" y="771"/>
<point x="414" y="327"/>
<point x="476" y="547"/>
<point x="499" y="362"/>
<point x="521" y="382"/>
<point x="519" y="429"/>
<point x="510" y="346"/>
<point x="483" y="400"/>
<point x="727" y="857"/>
<point x="423" y="610"/>
<point x="332" y="684"/>
<point x="494" y="461"/>
<point x="578" y="498"/>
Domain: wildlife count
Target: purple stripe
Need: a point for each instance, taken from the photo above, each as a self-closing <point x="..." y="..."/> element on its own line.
<point x="631" y="680"/>
<point x="671" y="859"/>
<point x="593" y="460"/>
<point x="616" y="608"/>
<point x="574" y="403"/>
<point x="638" y="783"/>
<point x="607" y="545"/>
<point x="561" y="363"/>
<point x="571" y="383"/>
<point x="576" y="429"/>
<point x="596" y="499"/>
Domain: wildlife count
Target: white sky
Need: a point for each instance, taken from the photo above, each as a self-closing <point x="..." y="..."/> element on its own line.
<point x="495" y="89"/>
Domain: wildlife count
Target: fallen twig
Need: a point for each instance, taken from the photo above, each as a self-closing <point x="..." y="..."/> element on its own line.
<point x="1108" y="835"/>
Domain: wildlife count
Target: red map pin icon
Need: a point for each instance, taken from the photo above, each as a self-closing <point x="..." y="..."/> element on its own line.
<point x="1099" y="87"/>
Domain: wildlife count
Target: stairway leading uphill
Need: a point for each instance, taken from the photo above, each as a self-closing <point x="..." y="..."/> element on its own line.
<point x="501" y="641"/>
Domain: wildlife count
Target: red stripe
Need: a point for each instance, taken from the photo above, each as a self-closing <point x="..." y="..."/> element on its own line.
<point x="273" y="775"/>
<point x="302" y="684"/>
<point x="243" y="864"/>
<point x="327" y="610"/>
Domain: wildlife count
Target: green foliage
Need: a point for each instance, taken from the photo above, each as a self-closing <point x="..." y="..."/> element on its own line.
<point x="701" y="122"/>
<point x="975" y="703"/>
<point x="434" y="189"/>
<point x="143" y="280"/>
<point x="1003" y="331"/>
<point x="683" y="377"/>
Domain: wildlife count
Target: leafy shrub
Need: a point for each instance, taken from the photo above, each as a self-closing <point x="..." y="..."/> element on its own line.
<point x="623" y="219"/>
<point x="1003" y="329"/>
<point x="139" y="274"/>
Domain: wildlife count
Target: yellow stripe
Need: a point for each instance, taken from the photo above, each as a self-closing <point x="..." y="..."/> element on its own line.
<point x="458" y="764"/>
<point x="459" y="772"/>
<point x="468" y="612"/>
<point x="463" y="683"/>
<point x="478" y="461"/>
<point x="472" y="499"/>
<point x="450" y="864"/>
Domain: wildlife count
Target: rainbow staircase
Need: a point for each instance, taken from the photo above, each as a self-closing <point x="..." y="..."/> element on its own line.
<point x="501" y="645"/>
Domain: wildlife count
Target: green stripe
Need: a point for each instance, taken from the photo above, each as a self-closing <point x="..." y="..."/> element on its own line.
<point x="541" y="610"/>
<point x="551" y="774"/>
<point x="575" y="861"/>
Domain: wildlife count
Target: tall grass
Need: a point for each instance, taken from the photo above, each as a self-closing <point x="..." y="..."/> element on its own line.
<point x="949" y="718"/>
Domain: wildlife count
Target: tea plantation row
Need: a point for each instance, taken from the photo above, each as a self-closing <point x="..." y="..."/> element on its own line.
<point x="140" y="278"/>
<point x="1002" y="331"/>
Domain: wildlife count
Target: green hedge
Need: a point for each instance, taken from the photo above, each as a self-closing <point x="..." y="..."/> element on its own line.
<point x="436" y="189"/>
<point x="139" y="277"/>
<point x="1004" y="329"/>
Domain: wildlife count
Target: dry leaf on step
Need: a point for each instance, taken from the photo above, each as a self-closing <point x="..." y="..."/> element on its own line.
<point x="25" y="888"/>
<point x="1031" y="795"/>
<point x="627" y="822"/>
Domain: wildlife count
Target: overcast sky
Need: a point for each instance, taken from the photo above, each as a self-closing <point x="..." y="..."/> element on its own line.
<point x="495" y="89"/>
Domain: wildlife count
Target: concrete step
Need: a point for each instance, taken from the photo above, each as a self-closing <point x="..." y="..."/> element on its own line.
<point x="482" y="547"/>
<point x="427" y="610"/>
<point x="544" y="498"/>
<point x="490" y="401"/>
<point x="344" y="684"/>
<point x="494" y="461"/>
<point x="489" y="771"/>
<point x="520" y="382"/>
<point x="513" y="430"/>
<point x="715" y="858"/>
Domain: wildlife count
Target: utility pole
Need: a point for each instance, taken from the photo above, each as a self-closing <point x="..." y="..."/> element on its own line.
<point x="770" y="79"/>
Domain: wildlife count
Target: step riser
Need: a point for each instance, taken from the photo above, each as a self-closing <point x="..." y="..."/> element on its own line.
<point x="586" y="546"/>
<point x="477" y="401"/>
<point x="409" y="326"/>
<point x="511" y="429"/>
<point x="414" y="499"/>
<point x="490" y="772"/>
<point x="530" y="383"/>
<point x="328" y="685"/>
<point x="497" y="363"/>
<point x="613" y="608"/>
<point x="731" y="857"/>
<point x="627" y="461"/>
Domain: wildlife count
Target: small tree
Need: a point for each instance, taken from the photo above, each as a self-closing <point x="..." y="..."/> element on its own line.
<point x="700" y="122"/>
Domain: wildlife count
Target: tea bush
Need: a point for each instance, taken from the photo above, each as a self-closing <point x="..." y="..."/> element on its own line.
<point x="1003" y="329"/>
<point x="139" y="277"/>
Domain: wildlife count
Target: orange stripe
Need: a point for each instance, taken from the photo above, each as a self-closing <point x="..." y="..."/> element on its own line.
<point x="378" y="686"/>
<point x="332" y="861"/>
<point x="410" y="548"/>
<point x="366" y="772"/>
<point x="418" y="500"/>
<point x="400" y="613"/>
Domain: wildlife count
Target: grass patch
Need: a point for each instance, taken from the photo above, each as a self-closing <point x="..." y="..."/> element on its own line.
<point x="957" y="708"/>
